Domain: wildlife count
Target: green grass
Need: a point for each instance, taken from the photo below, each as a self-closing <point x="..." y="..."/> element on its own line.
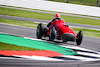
<point x="88" y="32"/>
<point x="5" y="46"/>
<point x="17" y="22"/>
<point x="45" y="16"/>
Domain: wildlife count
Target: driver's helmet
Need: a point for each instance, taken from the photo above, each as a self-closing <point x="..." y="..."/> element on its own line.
<point x="57" y="15"/>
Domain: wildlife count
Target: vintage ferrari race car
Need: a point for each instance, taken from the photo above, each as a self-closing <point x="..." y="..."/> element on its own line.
<point x="59" y="31"/>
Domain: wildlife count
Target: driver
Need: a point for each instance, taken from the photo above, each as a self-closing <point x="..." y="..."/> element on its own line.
<point x="56" y="18"/>
<point x="50" y="24"/>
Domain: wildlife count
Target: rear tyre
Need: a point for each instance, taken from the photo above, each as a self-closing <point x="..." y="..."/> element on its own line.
<point x="52" y="34"/>
<point x="40" y="31"/>
<point x="79" y="38"/>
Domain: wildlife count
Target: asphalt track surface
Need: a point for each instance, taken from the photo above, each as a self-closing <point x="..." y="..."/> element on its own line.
<point x="88" y="42"/>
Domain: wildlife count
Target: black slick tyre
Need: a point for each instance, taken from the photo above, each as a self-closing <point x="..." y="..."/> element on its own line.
<point x="40" y="31"/>
<point x="52" y="34"/>
<point x="79" y="38"/>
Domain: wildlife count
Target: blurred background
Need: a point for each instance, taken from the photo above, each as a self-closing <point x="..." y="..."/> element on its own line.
<point x="82" y="2"/>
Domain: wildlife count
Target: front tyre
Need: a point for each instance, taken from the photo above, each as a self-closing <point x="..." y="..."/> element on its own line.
<point x="40" y="31"/>
<point x="79" y="38"/>
<point x="52" y="34"/>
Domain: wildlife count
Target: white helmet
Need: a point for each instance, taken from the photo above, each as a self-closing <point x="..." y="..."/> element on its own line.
<point x="57" y="15"/>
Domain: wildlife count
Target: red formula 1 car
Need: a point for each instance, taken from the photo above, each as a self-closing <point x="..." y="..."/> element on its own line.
<point x="59" y="31"/>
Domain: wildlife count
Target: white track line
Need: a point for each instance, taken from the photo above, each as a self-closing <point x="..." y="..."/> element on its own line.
<point x="76" y="47"/>
<point x="40" y="58"/>
<point x="88" y="54"/>
<point x="79" y="48"/>
<point x="81" y="58"/>
<point x="33" y="38"/>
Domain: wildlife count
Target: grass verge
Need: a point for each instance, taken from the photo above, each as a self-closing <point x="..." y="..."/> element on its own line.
<point x="45" y="16"/>
<point x="5" y="46"/>
<point x="87" y="32"/>
<point x="17" y="22"/>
